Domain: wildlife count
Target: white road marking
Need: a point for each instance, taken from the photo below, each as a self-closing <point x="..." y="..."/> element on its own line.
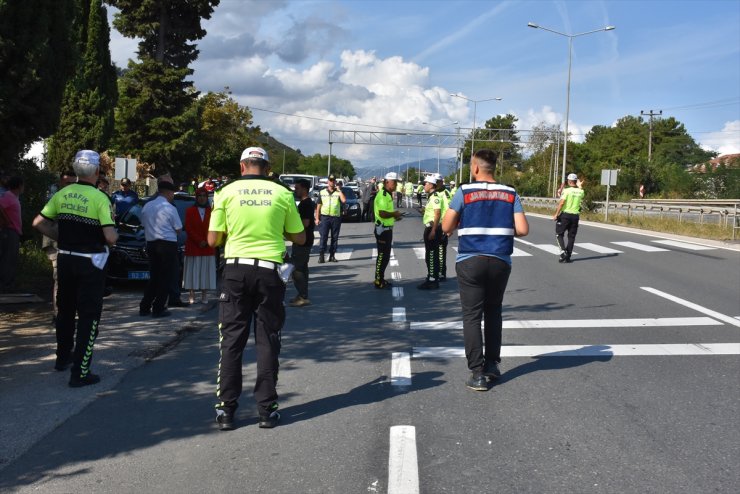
<point x="343" y="254"/>
<point x="691" y="305"/>
<point x="642" y="247"/>
<point x="683" y="245"/>
<point x="400" y="369"/>
<point x="598" y="248"/>
<point x="393" y="263"/>
<point x="396" y="275"/>
<point x="403" y="468"/>
<point x="375" y="253"/>
<point x="397" y="292"/>
<point x="552" y="249"/>
<point x="399" y="314"/>
<point x="581" y="323"/>
<point x="420" y="252"/>
<point x="590" y="350"/>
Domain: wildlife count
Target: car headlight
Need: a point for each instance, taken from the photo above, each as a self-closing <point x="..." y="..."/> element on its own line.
<point x="355" y="206"/>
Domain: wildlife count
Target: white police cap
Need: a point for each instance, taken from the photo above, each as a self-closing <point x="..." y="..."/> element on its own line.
<point x="254" y="153"/>
<point x="391" y="176"/>
<point x="572" y="176"/>
<point x="87" y="157"/>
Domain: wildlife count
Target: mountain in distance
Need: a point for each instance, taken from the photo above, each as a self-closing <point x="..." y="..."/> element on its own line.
<point x="429" y="165"/>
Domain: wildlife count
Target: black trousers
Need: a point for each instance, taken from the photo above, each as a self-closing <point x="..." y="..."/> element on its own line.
<point x="384" y="242"/>
<point x="299" y="258"/>
<point x="80" y="295"/>
<point x="482" y="281"/>
<point x="567" y="223"/>
<point x="367" y="211"/>
<point x="329" y="224"/>
<point x="442" y="249"/>
<point x="431" y="250"/>
<point x="249" y="294"/>
<point x="163" y="267"/>
<point x="9" y="251"/>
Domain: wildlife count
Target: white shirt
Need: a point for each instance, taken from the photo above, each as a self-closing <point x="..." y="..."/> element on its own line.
<point x="160" y="220"/>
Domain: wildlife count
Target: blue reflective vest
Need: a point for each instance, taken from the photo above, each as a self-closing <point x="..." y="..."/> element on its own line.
<point x="486" y="219"/>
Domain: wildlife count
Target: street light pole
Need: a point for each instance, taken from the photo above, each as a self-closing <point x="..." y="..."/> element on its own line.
<point x="475" y="109"/>
<point x="570" y="60"/>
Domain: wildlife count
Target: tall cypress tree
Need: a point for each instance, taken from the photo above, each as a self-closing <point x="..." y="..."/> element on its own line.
<point x="90" y="96"/>
<point x="36" y="60"/>
<point x="156" y="118"/>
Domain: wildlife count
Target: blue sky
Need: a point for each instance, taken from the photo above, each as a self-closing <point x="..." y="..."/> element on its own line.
<point x="395" y="63"/>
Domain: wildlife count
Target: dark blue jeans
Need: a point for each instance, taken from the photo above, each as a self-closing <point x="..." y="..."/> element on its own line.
<point x="329" y="224"/>
<point x="482" y="281"/>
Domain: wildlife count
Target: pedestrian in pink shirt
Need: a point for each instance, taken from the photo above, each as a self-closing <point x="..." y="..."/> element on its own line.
<point x="10" y="232"/>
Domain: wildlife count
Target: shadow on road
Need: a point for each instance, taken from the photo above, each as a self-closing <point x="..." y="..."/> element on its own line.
<point x="555" y="361"/>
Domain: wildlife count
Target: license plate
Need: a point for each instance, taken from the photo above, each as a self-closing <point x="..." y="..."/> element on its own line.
<point x="138" y="275"/>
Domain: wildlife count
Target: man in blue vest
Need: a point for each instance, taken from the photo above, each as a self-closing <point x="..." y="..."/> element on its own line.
<point x="487" y="216"/>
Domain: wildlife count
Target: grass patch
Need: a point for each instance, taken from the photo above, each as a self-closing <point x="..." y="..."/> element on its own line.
<point x="34" y="271"/>
<point x="664" y="225"/>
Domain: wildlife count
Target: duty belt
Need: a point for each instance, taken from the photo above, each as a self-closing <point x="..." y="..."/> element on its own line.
<point x="79" y="254"/>
<point x="378" y="223"/>
<point x="252" y="262"/>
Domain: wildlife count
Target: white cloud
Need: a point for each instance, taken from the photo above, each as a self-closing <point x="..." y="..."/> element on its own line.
<point x="547" y="116"/>
<point x="726" y="141"/>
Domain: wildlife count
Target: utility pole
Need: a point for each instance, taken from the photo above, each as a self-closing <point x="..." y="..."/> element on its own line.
<point x="651" y="114"/>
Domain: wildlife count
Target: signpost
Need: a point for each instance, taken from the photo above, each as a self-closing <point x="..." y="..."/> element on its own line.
<point x="608" y="178"/>
<point x="125" y="168"/>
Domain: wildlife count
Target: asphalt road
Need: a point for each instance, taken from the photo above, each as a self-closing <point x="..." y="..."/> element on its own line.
<point x="632" y="387"/>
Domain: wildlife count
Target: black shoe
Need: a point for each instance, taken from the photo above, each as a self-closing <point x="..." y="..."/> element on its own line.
<point x="382" y="284"/>
<point x="78" y="382"/>
<point x="162" y="313"/>
<point x="429" y="285"/>
<point x="178" y="303"/>
<point x="63" y="363"/>
<point x="321" y="259"/>
<point x="562" y="257"/>
<point x="225" y="420"/>
<point x="332" y="258"/>
<point x="270" y="421"/>
<point x="442" y="279"/>
<point x="492" y="370"/>
<point x="477" y="382"/>
<point x="145" y="312"/>
<point x="568" y="259"/>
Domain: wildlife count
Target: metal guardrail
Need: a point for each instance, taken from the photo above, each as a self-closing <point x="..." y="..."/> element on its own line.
<point x="705" y="210"/>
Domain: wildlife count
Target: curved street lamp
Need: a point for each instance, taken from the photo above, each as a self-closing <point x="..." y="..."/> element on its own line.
<point x="475" y="108"/>
<point x="570" y="59"/>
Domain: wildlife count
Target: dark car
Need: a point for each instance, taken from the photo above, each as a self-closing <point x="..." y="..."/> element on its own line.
<point x="128" y="259"/>
<point x="351" y="210"/>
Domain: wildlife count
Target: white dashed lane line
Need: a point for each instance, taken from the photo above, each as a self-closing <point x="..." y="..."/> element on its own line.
<point x="580" y="323"/>
<point x="403" y="467"/>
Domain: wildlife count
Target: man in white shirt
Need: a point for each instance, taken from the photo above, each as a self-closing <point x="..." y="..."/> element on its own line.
<point x="161" y="226"/>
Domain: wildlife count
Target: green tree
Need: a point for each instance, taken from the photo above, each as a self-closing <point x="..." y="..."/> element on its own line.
<point x="36" y="59"/>
<point x="316" y="164"/>
<point x="87" y="114"/>
<point x="157" y="119"/>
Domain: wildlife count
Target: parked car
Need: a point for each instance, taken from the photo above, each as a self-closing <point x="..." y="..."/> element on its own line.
<point x="351" y="210"/>
<point x="128" y="258"/>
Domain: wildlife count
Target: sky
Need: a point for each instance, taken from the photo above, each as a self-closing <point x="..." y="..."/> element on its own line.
<point x="307" y="66"/>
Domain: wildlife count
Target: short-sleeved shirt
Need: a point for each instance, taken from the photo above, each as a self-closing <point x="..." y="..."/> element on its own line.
<point x="160" y="220"/>
<point x="306" y="212"/>
<point x="408" y="189"/>
<point x="457" y="203"/>
<point x="253" y="212"/>
<point x="434" y="202"/>
<point x="81" y="211"/>
<point x="124" y="200"/>
<point x="572" y="197"/>
<point x="384" y="202"/>
<point x="12" y="206"/>
<point x="330" y="202"/>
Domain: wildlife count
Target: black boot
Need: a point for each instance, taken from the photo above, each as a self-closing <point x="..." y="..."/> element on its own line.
<point x="332" y="258"/>
<point x="321" y="258"/>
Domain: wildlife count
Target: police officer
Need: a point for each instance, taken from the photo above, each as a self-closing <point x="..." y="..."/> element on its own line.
<point x="385" y="217"/>
<point x="79" y="217"/>
<point x="431" y="218"/>
<point x="408" y="192"/>
<point x="488" y="216"/>
<point x="567" y="215"/>
<point x="445" y="197"/>
<point x="252" y="213"/>
<point x="329" y="217"/>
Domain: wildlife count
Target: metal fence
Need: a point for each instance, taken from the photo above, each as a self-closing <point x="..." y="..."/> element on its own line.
<point x="719" y="212"/>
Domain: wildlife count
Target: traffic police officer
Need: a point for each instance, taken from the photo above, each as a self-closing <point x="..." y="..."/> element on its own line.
<point x="80" y="218"/>
<point x="408" y="191"/>
<point x="329" y="217"/>
<point x="385" y="217"/>
<point x="431" y="218"/>
<point x="567" y="215"/>
<point x="445" y="197"/>
<point x="488" y="216"/>
<point x="252" y="213"/>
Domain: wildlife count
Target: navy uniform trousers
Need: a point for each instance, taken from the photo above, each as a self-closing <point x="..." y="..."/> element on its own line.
<point x="250" y="296"/>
